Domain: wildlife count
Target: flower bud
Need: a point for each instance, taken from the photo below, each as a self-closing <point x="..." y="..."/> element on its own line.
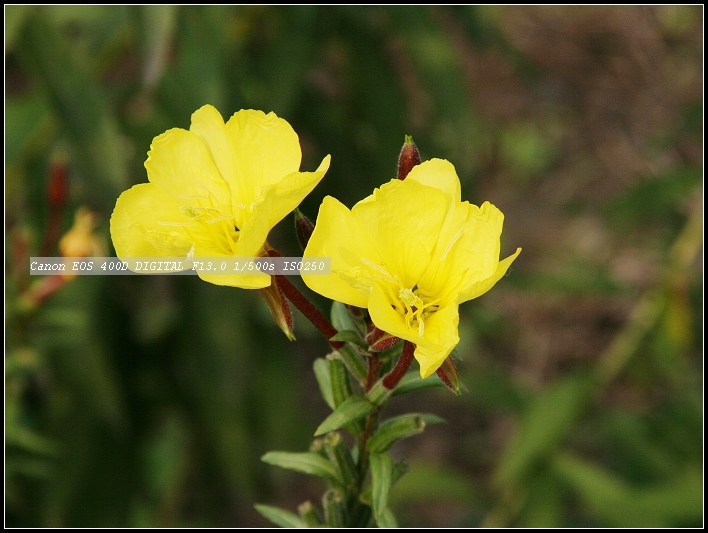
<point x="408" y="158"/>
<point x="380" y="341"/>
<point x="448" y="375"/>
<point x="303" y="228"/>
<point x="279" y="307"/>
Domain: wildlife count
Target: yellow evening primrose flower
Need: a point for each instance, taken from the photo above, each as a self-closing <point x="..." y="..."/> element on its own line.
<point x="215" y="190"/>
<point x="411" y="253"/>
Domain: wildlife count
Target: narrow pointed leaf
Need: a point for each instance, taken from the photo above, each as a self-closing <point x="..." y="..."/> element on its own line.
<point x="381" y="473"/>
<point x="280" y="517"/>
<point x="394" y="429"/>
<point x="349" y="335"/>
<point x="305" y="462"/>
<point x="324" y="380"/>
<point x="351" y="409"/>
<point x="413" y="382"/>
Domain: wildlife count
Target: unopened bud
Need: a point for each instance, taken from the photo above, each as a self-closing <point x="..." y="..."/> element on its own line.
<point x="448" y="375"/>
<point x="303" y="228"/>
<point x="379" y="340"/>
<point x="279" y="307"/>
<point x="408" y="158"/>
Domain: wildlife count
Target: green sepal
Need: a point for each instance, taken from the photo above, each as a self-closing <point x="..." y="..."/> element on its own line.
<point x="351" y="409"/>
<point x="280" y="517"/>
<point x="305" y="462"/>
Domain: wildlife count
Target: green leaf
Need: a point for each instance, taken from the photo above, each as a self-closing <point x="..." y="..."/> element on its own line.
<point x="341" y="388"/>
<point x="324" y="380"/>
<point x="351" y="409"/>
<point x="353" y="360"/>
<point x="381" y="472"/>
<point x="342" y="319"/>
<point x="412" y="382"/>
<point x="305" y="462"/>
<point x="349" y="335"/>
<point x="394" y="429"/>
<point x="280" y="517"/>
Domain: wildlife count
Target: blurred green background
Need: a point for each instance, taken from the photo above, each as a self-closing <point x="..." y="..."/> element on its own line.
<point x="148" y="401"/>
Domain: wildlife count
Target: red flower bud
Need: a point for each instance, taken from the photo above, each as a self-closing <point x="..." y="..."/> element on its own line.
<point x="408" y="158"/>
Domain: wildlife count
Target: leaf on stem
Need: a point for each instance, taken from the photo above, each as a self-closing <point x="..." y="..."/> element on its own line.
<point x="351" y="409"/>
<point x="381" y="481"/>
<point x="305" y="462"/>
<point x="280" y="517"/>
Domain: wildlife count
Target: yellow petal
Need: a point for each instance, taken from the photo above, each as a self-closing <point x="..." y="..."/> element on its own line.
<point x="440" y="174"/>
<point x="180" y="164"/>
<point x="292" y="189"/>
<point x="208" y="125"/>
<point x="147" y="222"/>
<point x="467" y="251"/>
<point x="220" y="260"/>
<point x="403" y="221"/>
<point x="341" y="237"/>
<point x="264" y="149"/>
<point x="480" y="287"/>
<point x="386" y="318"/>
<point x="441" y="337"/>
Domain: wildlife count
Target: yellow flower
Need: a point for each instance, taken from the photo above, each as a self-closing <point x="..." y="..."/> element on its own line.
<point x="216" y="190"/>
<point x="411" y="253"/>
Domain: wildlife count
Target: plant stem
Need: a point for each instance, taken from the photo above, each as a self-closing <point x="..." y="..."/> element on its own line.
<point x="402" y="366"/>
<point x="309" y="310"/>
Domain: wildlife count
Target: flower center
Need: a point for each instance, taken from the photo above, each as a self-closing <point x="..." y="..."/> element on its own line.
<point x="219" y="227"/>
<point x="416" y="309"/>
<point x="413" y="304"/>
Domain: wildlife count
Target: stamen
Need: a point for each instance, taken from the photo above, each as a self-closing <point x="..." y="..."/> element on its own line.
<point x="452" y="242"/>
<point x="388" y="277"/>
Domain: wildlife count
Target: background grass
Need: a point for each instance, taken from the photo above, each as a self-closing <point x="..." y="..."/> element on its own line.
<point x="148" y="401"/>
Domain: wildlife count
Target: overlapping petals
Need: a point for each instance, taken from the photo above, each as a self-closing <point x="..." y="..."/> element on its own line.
<point x="411" y="253"/>
<point x="215" y="190"/>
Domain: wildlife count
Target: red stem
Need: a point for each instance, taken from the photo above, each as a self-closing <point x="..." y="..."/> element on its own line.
<point x="310" y="311"/>
<point x="373" y="373"/>
<point x="402" y="366"/>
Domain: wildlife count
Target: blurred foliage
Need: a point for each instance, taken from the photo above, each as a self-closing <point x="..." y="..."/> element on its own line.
<point x="148" y="401"/>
